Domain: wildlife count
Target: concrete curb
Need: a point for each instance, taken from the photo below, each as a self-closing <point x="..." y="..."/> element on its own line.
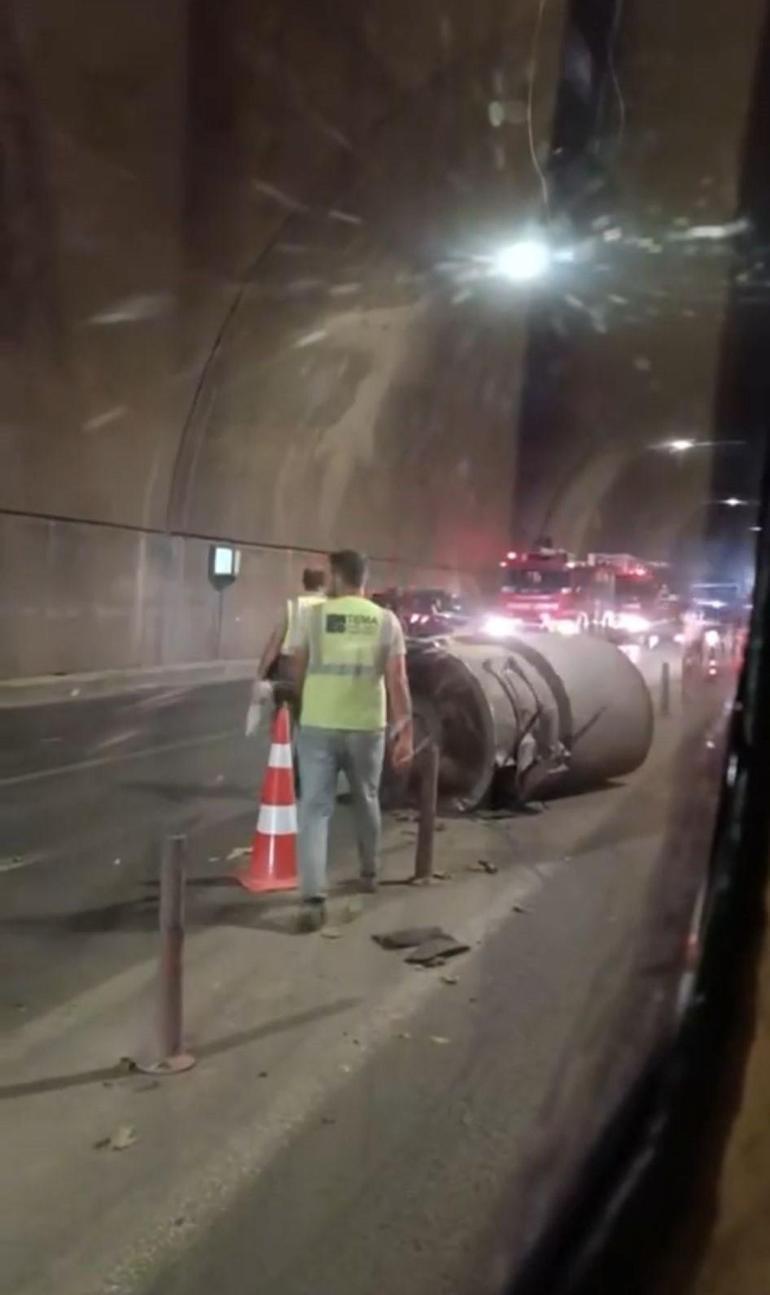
<point x="107" y="683"/>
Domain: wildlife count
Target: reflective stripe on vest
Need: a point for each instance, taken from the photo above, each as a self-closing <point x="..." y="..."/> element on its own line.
<point x="349" y="640"/>
<point x="294" y="609"/>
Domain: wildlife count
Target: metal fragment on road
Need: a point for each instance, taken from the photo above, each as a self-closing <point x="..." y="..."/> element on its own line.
<point x="484" y="865"/>
<point x="409" y="937"/>
<point x="436" y="950"/>
<point x="125" y="1136"/>
<point x="239" y="852"/>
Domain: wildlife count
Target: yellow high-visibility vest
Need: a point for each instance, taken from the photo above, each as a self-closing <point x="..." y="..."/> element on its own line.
<point x="296" y="607"/>
<point x="349" y="643"/>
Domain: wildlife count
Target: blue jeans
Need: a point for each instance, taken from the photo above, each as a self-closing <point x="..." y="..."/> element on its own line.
<point x="322" y="752"/>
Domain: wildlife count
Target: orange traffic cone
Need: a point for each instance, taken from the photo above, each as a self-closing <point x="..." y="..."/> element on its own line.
<point x="274" y="852"/>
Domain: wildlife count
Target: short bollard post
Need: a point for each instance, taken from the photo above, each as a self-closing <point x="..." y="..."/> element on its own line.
<point x="665" y="689"/>
<point x="172" y="893"/>
<point x="426" y="825"/>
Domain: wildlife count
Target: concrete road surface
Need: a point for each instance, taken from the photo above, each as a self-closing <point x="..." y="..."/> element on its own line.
<point x="353" y="1123"/>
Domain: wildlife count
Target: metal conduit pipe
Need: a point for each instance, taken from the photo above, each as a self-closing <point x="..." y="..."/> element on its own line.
<point x="539" y="714"/>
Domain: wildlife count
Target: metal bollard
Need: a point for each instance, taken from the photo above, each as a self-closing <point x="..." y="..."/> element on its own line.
<point x="172" y="893"/>
<point x="423" y="859"/>
<point x="665" y="689"/>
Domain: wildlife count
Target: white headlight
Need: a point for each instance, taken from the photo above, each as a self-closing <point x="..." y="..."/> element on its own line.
<point x="711" y="638"/>
<point x="565" y="627"/>
<point x="633" y="623"/>
<point x="500" y="626"/>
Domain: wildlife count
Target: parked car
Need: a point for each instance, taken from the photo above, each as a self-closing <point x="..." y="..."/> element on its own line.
<point x="425" y="613"/>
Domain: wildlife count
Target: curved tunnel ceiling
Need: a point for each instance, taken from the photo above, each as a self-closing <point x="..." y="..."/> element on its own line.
<point x="238" y="239"/>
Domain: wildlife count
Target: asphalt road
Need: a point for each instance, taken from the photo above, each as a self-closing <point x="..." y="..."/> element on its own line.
<point x="89" y="790"/>
<point x="397" y="1183"/>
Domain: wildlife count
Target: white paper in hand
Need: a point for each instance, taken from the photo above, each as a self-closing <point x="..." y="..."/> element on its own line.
<point x="253" y="716"/>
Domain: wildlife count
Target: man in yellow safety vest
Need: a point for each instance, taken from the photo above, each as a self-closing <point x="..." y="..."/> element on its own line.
<point x="276" y="657"/>
<point x="349" y="662"/>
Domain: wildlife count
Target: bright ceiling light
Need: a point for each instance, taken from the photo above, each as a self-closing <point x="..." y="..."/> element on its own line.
<point x="733" y="502"/>
<point x="520" y="262"/>
<point x="679" y="445"/>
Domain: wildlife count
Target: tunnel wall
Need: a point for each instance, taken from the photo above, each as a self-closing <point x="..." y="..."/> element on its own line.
<point x="76" y="596"/>
<point x="236" y="242"/>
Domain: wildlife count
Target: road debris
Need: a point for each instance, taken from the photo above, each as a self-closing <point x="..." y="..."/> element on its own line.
<point x="409" y="937"/>
<point x="351" y="910"/>
<point x="125" y="1136"/>
<point x="239" y="852"/>
<point x="450" y="980"/>
<point x="439" y="1038"/>
<point x="331" y="932"/>
<point x="519" y="908"/>
<point x="404" y="1034"/>
<point x="430" y="945"/>
<point x="433" y="953"/>
<point x="485" y="865"/>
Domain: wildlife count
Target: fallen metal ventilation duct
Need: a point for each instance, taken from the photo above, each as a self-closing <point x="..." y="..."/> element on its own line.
<point x="537" y="715"/>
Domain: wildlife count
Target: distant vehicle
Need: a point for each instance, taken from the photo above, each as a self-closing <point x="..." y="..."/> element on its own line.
<point x="640" y="607"/>
<point x="544" y="589"/>
<point x="714" y="646"/>
<point x="617" y="595"/>
<point x="425" y="613"/>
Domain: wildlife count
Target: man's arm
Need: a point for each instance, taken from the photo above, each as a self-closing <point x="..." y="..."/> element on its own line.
<point x="299" y="659"/>
<point x="272" y="648"/>
<point x="400" y="701"/>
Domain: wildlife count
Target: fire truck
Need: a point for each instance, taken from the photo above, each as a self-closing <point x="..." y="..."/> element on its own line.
<point x="639" y="605"/>
<point x="614" y="594"/>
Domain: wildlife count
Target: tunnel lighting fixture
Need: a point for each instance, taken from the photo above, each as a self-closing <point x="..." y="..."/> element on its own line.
<point x="732" y="501"/>
<point x="227" y="560"/>
<point x="224" y="565"/>
<point x="681" y="444"/>
<point x="522" y="261"/>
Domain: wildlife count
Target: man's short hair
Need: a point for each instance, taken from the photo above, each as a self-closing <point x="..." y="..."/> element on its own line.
<point x="350" y="566"/>
<point x="313" y="579"/>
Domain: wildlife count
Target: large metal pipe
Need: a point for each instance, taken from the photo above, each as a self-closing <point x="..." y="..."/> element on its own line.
<point x="540" y="713"/>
